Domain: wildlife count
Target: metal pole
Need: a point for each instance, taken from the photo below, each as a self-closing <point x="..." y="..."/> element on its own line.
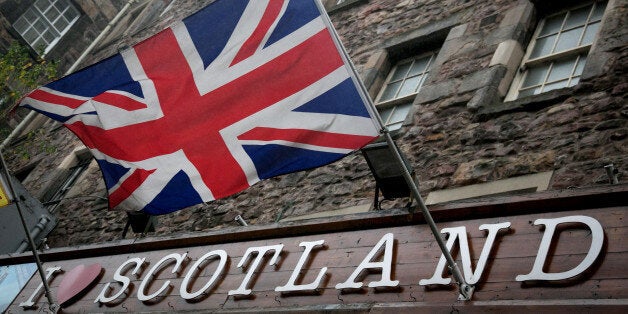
<point x="52" y="305"/>
<point x="465" y="289"/>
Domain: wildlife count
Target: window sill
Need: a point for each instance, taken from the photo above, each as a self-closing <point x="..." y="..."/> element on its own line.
<point x="516" y="185"/>
<point x="529" y="103"/>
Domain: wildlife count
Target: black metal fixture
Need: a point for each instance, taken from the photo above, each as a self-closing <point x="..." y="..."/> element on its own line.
<point x="389" y="177"/>
<point x="139" y="222"/>
<point x="241" y="221"/>
<point x="612" y="173"/>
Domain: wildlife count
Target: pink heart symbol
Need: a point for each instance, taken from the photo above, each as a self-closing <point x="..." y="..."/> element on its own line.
<point x="74" y="282"/>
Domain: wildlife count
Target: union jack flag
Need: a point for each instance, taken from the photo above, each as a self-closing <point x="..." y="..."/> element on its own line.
<point x="238" y="92"/>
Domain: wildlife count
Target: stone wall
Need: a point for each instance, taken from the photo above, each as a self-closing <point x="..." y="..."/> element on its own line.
<point x="460" y="131"/>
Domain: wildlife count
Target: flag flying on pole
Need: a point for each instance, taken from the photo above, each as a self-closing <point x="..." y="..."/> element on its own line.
<point x="238" y="92"/>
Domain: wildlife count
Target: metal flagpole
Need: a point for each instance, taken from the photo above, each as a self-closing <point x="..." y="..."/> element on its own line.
<point x="466" y="290"/>
<point x="52" y="305"/>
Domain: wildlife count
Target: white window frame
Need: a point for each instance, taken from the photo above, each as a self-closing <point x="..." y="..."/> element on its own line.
<point x="552" y="58"/>
<point x="401" y="102"/>
<point x="42" y="24"/>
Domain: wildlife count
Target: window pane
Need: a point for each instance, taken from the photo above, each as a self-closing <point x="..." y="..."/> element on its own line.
<point x="30" y="36"/>
<point x="49" y="36"/>
<point x="400" y="113"/>
<point x="423" y="77"/>
<point x="598" y="12"/>
<point x="555" y="85"/>
<point x="30" y="16"/>
<point x="574" y="81"/>
<point x="552" y="25"/>
<point x="61" y="24"/>
<point x="21" y="25"/>
<point x="543" y="46"/>
<point x="589" y="34"/>
<point x="70" y="14"/>
<point x="535" y="76"/>
<point x="385" y="114"/>
<point x="577" y="17"/>
<point x="569" y="39"/>
<point x="38" y="44"/>
<point x="40" y="26"/>
<point x="419" y="66"/>
<point x="390" y="92"/>
<point x="409" y="86"/>
<point x="393" y="117"/>
<point x="52" y="14"/>
<point x="400" y="71"/>
<point x="61" y="5"/>
<point x="581" y="62"/>
<point x="42" y="5"/>
<point x="561" y="70"/>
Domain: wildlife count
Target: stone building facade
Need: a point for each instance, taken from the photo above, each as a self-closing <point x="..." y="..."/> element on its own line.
<point x="467" y="131"/>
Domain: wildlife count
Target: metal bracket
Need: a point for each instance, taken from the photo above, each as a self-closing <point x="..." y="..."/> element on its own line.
<point x="466" y="292"/>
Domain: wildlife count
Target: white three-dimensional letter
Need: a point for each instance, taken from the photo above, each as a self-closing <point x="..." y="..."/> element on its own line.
<point x="461" y="233"/>
<point x="385" y="265"/>
<point x="290" y="286"/>
<point x="124" y="280"/>
<point x="597" y="240"/>
<point x="178" y="258"/>
<point x="222" y="255"/>
<point x="261" y="251"/>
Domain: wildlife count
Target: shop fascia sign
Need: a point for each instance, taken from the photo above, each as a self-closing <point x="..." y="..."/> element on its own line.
<point x="81" y="277"/>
